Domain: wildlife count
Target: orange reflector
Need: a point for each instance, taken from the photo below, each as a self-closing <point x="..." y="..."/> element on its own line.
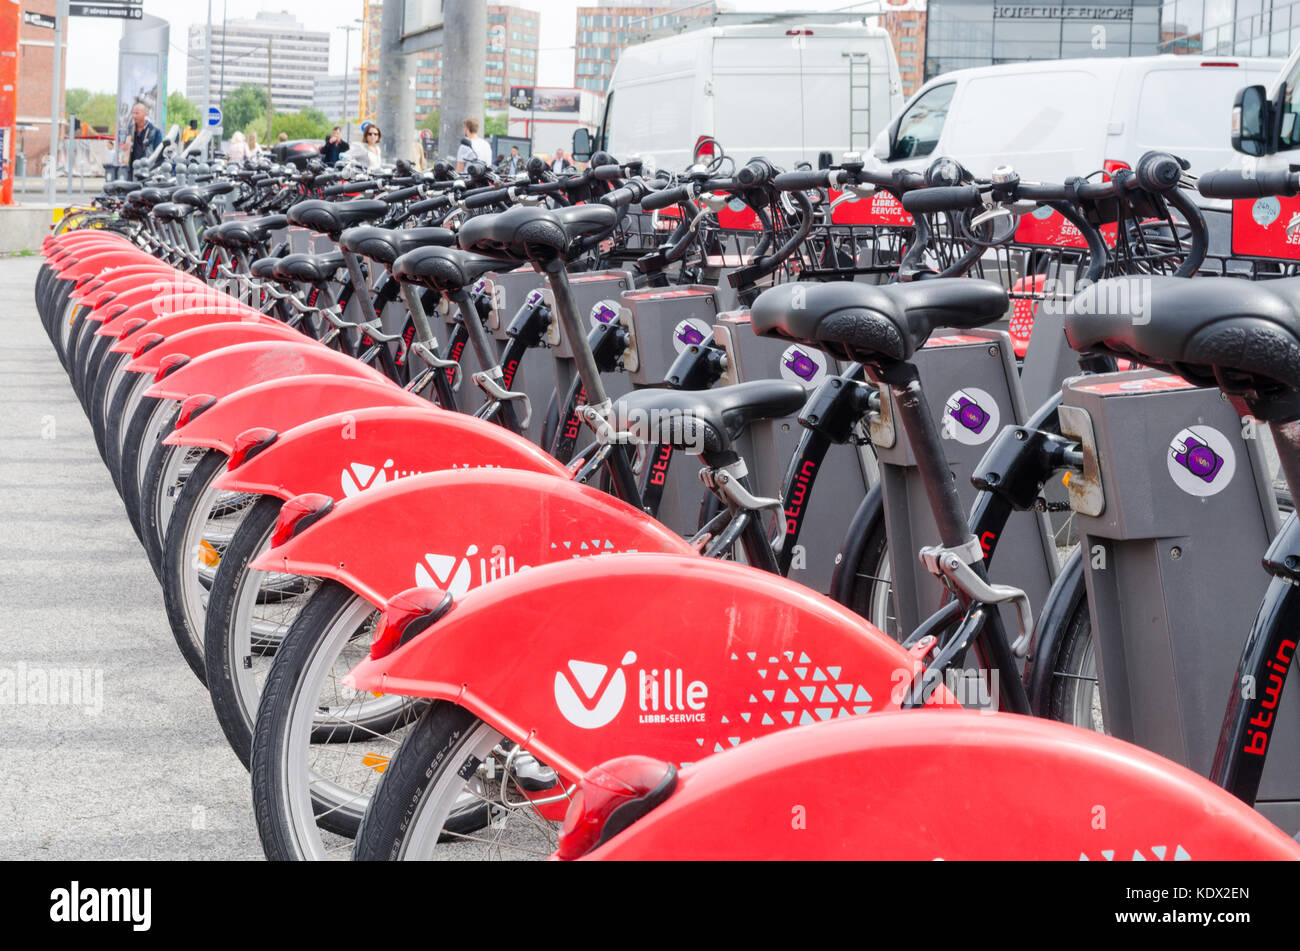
<point x="208" y="555"/>
<point x="375" y="761"/>
<point x="1065" y="479"/>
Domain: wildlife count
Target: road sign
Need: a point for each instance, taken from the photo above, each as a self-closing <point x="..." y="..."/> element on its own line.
<point x="38" y="19"/>
<point x="214" y="117"/>
<point x="128" y="10"/>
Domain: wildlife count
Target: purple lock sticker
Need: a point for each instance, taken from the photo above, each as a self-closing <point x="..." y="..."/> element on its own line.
<point x="690" y="333"/>
<point x="1201" y="461"/>
<point x="970" y="416"/>
<point x="802" y="365"/>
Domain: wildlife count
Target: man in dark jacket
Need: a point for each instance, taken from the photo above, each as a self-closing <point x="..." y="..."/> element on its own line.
<point x="334" y="147"/>
<point x="145" y="136"/>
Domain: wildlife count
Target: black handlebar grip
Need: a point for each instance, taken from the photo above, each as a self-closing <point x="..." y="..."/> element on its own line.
<point x="1235" y="184"/>
<point x="799" y="181"/>
<point x="1158" y="171"/>
<point x="606" y="173"/>
<point x="402" y="194"/>
<point x="924" y="201"/>
<point x="755" y="172"/>
<point x="428" y="205"/>
<point x="483" y="199"/>
<point x="665" y="197"/>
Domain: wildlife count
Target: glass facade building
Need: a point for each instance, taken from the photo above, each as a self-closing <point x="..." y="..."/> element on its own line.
<point x="1230" y="27"/>
<point x="965" y="33"/>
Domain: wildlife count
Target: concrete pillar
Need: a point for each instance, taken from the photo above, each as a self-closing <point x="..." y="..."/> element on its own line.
<point x="396" y="112"/>
<point x="464" y="42"/>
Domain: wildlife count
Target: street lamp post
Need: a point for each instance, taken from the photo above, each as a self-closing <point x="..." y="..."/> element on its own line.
<point x="348" y="30"/>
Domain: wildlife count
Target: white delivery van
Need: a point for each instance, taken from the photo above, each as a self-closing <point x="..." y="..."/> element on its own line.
<point x="1053" y="119"/>
<point x="784" y="92"/>
<point x="1265" y="121"/>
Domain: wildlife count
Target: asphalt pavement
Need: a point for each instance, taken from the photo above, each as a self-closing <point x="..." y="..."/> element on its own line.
<point x="109" y="745"/>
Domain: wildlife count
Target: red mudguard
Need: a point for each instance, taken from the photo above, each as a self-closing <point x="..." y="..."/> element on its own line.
<point x="141" y="305"/>
<point x="197" y="341"/>
<point x="459" y="529"/>
<point x="671" y="656"/>
<point x="125" y="278"/>
<point x="956" y="785"/>
<point x="99" y="260"/>
<point x="169" y="325"/>
<point x="63" y="243"/>
<point x="284" y="403"/>
<point x="342" y="454"/>
<point x="227" y="369"/>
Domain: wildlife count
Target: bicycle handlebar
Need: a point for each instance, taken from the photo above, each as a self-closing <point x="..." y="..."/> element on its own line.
<point x="925" y="201"/>
<point x="1237" y="184"/>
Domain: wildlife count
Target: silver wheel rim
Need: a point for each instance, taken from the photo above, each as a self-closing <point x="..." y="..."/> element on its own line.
<point x="514" y="832"/>
<point x="249" y="669"/>
<point x="303" y="771"/>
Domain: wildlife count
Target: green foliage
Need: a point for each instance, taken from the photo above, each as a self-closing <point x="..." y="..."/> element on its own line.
<point x="242" y="106"/>
<point x="308" y="124"/>
<point x="97" y="109"/>
<point x="431" y="121"/>
<point x="494" y="125"/>
<point x="180" y="110"/>
<point x="75" y="100"/>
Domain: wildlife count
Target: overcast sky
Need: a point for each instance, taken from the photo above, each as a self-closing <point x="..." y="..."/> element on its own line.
<point x="92" y="43"/>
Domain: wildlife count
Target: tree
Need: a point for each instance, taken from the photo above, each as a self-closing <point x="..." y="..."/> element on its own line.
<point x="75" y="100"/>
<point x="180" y="110"/>
<point x="431" y="121"/>
<point x="244" y="105"/>
<point x="308" y="124"/>
<point x="94" y="109"/>
<point x="494" y="125"/>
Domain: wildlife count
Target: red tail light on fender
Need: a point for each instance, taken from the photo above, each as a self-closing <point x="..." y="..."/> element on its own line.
<point x="248" y="444"/>
<point x="1110" y="166"/>
<point x="192" y="406"/>
<point x="406" y="615"/>
<point x="170" y="364"/>
<point x="296" y="514"/>
<point x="610" y="798"/>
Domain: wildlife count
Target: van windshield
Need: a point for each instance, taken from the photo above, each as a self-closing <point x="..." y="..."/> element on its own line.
<point x="919" y="127"/>
<point x="1291" y="111"/>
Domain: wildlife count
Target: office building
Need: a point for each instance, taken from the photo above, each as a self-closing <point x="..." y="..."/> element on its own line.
<point x="273" y="49"/>
<point x="606" y="29"/>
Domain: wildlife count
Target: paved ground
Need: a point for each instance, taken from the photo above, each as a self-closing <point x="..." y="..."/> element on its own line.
<point x="129" y="762"/>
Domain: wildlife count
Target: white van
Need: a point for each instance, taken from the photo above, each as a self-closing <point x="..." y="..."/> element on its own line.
<point x="1053" y="119"/>
<point x="785" y="92"/>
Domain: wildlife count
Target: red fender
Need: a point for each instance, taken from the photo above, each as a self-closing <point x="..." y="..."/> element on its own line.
<point x="109" y="302"/>
<point x="960" y="785"/>
<point x="52" y="243"/>
<point x="197" y="341"/>
<point x="232" y="368"/>
<point x="92" y="243"/>
<point x="169" y="325"/>
<point x="285" y="403"/>
<point x="120" y="279"/>
<point x="383" y="443"/>
<point x="458" y="529"/>
<point x="671" y="656"/>
<point x="141" y="304"/>
<point x="95" y="263"/>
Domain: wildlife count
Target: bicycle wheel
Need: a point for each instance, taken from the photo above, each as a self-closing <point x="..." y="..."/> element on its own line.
<point x="862" y="573"/>
<point x="457" y="790"/>
<point x="203" y="521"/>
<point x="319" y="747"/>
<point x="249" y="612"/>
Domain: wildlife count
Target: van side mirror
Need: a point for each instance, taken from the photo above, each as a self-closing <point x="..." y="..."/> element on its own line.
<point x="1250" y="122"/>
<point x="581" y="145"/>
